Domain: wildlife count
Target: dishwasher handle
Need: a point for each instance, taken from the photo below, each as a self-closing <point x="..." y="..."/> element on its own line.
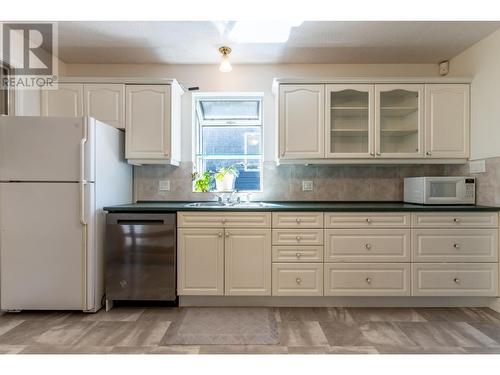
<point x="140" y="219"/>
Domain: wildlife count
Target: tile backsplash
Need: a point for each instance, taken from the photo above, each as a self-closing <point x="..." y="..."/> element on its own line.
<point x="284" y="182"/>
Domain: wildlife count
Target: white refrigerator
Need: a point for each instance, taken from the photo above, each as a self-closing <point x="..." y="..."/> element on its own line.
<point x="56" y="175"/>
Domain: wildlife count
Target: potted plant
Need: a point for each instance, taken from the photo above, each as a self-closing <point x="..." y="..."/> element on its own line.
<point x="203" y="182"/>
<point x="225" y="177"/>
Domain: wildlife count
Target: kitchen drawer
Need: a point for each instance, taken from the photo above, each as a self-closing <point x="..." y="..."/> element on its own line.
<point x="297" y="236"/>
<point x="297" y="279"/>
<point x="367" y="245"/>
<point x="297" y="253"/>
<point x="367" y="220"/>
<point x="455" y="220"/>
<point x="455" y="279"/>
<point x="367" y="279"/>
<point x="297" y="220"/>
<point x="455" y="245"/>
<point x="224" y="219"/>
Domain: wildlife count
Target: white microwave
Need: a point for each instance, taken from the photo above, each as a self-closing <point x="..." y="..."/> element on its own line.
<point x="440" y="190"/>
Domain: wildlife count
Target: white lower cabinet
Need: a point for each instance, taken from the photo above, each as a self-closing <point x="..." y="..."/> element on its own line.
<point x="247" y="262"/>
<point x="367" y="279"/>
<point x="455" y="279"/>
<point x="297" y="279"/>
<point x="200" y="263"/>
<point x="434" y="254"/>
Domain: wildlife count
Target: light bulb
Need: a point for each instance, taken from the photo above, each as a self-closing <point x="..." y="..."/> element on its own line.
<point x="225" y="65"/>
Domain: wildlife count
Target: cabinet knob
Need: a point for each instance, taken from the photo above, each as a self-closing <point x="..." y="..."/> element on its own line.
<point x="298" y="280"/>
<point x="378" y="154"/>
<point x="368" y="246"/>
<point x="220" y="234"/>
<point x="456" y="280"/>
<point x="368" y="220"/>
<point x="456" y="246"/>
<point x="368" y="280"/>
<point x="223" y="220"/>
<point x="298" y="255"/>
<point x="372" y="154"/>
<point x="283" y="153"/>
<point x="227" y="234"/>
<point x="298" y="238"/>
<point x="428" y="153"/>
<point x="456" y="220"/>
<point x="298" y="220"/>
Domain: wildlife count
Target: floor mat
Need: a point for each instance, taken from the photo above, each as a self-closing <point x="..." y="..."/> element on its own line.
<point x="223" y="326"/>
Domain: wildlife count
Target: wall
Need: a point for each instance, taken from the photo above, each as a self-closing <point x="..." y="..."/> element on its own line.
<point x="482" y="62"/>
<point x="283" y="182"/>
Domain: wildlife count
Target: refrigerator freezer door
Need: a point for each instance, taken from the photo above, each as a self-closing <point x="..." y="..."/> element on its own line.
<point x="43" y="246"/>
<point x="46" y="148"/>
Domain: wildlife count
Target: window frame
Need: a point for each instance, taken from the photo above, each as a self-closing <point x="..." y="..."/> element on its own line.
<point x="198" y="128"/>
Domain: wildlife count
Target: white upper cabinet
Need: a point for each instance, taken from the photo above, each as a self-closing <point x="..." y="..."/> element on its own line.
<point x="399" y="121"/>
<point x="349" y="121"/>
<point x="152" y="127"/>
<point x="66" y="101"/>
<point x="301" y="121"/>
<point x="447" y="120"/>
<point x="106" y="103"/>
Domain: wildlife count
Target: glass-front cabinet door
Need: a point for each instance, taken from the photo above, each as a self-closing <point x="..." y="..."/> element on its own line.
<point x="349" y="121"/>
<point x="399" y="121"/>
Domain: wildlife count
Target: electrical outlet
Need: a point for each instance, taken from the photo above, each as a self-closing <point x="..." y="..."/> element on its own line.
<point x="164" y="185"/>
<point x="307" y="186"/>
<point x="477" y="166"/>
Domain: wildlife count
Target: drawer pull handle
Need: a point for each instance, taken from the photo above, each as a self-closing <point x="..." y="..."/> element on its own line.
<point x="298" y="280"/>
<point x="368" y="246"/>
<point x="298" y="238"/>
<point x="368" y="280"/>
<point x="456" y="220"/>
<point x="298" y="255"/>
<point x="368" y="220"/>
<point x="456" y="246"/>
<point x="220" y="234"/>
<point x="298" y="220"/>
<point x="456" y="280"/>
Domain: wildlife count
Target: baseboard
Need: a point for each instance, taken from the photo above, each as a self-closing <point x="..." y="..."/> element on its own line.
<point x="495" y="305"/>
<point x="341" y="301"/>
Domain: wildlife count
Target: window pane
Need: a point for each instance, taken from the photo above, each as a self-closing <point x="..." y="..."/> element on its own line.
<point x="231" y="140"/>
<point x="230" y="109"/>
<point x="248" y="179"/>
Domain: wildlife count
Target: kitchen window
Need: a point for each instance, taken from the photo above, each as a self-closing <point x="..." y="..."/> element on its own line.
<point x="229" y="133"/>
<point x="4" y="93"/>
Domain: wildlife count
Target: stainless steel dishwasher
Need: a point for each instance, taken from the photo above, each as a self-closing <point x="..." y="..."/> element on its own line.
<point x="140" y="257"/>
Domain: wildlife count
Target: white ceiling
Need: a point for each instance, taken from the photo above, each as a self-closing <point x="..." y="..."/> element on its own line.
<point x="195" y="42"/>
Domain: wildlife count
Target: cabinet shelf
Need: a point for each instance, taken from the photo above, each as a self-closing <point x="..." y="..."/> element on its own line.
<point x="350" y="132"/>
<point x="398" y="132"/>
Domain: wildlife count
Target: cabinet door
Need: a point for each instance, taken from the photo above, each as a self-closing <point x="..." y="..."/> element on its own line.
<point x="200" y="268"/>
<point x="349" y="121"/>
<point x="106" y="103"/>
<point x="66" y="101"/>
<point x="248" y="262"/>
<point x="301" y="121"/>
<point x="148" y="121"/>
<point x="399" y="121"/>
<point x="447" y="120"/>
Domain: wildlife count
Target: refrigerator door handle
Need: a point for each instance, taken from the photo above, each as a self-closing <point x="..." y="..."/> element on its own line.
<point x="82" y="181"/>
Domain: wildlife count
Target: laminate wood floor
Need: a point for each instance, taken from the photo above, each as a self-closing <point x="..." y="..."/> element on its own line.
<point x="301" y="331"/>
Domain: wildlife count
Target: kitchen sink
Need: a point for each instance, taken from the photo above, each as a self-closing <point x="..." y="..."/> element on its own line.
<point x="231" y="205"/>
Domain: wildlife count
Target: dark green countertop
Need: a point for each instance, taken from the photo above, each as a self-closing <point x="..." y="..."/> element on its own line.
<point x="174" y="206"/>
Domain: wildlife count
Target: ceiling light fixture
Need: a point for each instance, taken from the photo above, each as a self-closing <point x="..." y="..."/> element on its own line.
<point x="225" y="65"/>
